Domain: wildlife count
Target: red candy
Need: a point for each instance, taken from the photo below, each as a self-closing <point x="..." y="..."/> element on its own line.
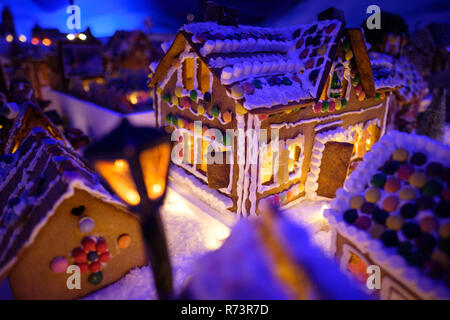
<point x="318" y="107"/>
<point x="404" y="172"/>
<point x="363" y="222"/>
<point x="79" y="255"/>
<point x="104" y="257"/>
<point x="262" y="117"/>
<point x="83" y="267"/>
<point x="94" y="267"/>
<point x="332" y="106"/>
<point x="392" y="185"/>
<point x="102" y="246"/>
<point x="88" y="244"/>
<point x="390" y="203"/>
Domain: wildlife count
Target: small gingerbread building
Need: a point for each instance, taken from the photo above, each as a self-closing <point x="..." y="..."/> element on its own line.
<point x="313" y="83"/>
<point x="393" y="212"/>
<point x="56" y="213"/>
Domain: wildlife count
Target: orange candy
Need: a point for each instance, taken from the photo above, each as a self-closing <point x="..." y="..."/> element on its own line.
<point x="124" y="241"/>
<point x="418" y="179"/>
<point x="390" y="203"/>
<point x="407" y="193"/>
<point x="392" y="185"/>
<point x="356" y="202"/>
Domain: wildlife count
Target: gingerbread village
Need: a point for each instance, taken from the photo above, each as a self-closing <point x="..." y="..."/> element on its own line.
<point x="318" y="147"/>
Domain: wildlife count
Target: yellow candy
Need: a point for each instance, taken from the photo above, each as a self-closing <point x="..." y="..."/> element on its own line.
<point x="400" y="154"/>
<point x="373" y="195"/>
<point x="441" y="257"/>
<point x="418" y="179"/>
<point x="356" y="202"/>
<point x="337" y="104"/>
<point x="226" y="116"/>
<point x="200" y="110"/>
<point x="181" y="123"/>
<point x="240" y="109"/>
<point x="362" y="96"/>
<point x="407" y="193"/>
<point x="445" y="230"/>
<point x="159" y="90"/>
<point x="237" y="91"/>
<point x="288" y="111"/>
<point x="348" y="55"/>
<point x="178" y="91"/>
<point x="394" y="222"/>
<point x="174" y="100"/>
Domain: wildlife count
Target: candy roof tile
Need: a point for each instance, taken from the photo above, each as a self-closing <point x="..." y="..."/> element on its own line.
<point x="396" y="205"/>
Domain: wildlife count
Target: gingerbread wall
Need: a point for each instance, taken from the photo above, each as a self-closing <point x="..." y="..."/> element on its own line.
<point x="32" y="278"/>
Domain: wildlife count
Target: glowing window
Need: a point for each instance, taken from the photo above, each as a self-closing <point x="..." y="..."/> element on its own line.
<point x="189" y="73"/>
<point x="357" y="267"/>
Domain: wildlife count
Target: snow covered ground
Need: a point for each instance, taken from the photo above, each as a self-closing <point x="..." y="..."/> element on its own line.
<point x="191" y="232"/>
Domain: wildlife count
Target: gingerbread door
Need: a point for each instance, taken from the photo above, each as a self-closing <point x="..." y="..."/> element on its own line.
<point x="334" y="167"/>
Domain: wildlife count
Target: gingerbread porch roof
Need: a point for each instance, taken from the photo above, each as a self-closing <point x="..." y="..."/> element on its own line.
<point x="44" y="173"/>
<point x="274" y="67"/>
<point x="396" y="207"/>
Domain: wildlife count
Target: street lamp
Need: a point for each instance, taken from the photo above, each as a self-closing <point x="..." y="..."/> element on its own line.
<point x="134" y="161"/>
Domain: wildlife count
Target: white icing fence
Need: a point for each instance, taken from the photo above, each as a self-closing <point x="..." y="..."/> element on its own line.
<point x="92" y="119"/>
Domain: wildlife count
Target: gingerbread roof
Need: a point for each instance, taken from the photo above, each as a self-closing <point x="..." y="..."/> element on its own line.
<point x="44" y="173"/>
<point x="396" y="207"/>
<point x="397" y="73"/>
<point x="274" y="67"/>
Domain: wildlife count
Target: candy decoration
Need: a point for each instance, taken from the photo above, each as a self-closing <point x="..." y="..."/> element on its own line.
<point x="344" y="103"/>
<point x="257" y="83"/>
<point x="322" y="49"/>
<point x="368" y="208"/>
<point x="377" y="97"/>
<point x="426" y="243"/>
<point x="240" y="109"/>
<point x="262" y="117"/>
<point x="394" y="222"/>
<point x="186" y="103"/>
<point x="92" y="256"/>
<point x="432" y="188"/>
<point x="166" y="97"/>
<point x="407" y="193"/>
<point x="200" y="109"/>
<point x="405" y="172"/>
<point x="325" y="106"/>
<point x="94" y="267"/>
<point x="237" y="92"/>
<point x="390" y="203"/>
<point x="441" y="257"/>
<point x="96" y="278"/>
<point x="390" y="167"/>
<point x="174" y="100"/>
<point x="408" y="210"/>
<point x="356" y="80"/>
<point x="400" y="154"/>
<point x="124" y="241"/>
<point x="404" y="248"/>
<point x="207" y="96"/>
<point x="181" y="123"/>
<point x="338" y="105"/>
<point x="429" y="224"/>
<point x="376" y="230"/>
<point x="380" y="216"/>
<point x="363" y="222"/>
<point x="179" y="92"/>
<point x="378" y="180"/>
<point x="104" y="257"/>
<point x="411" y="230"/>
<point x="362" y="96"/>
<point x="88" y="244"/>
<point x="358" y="89"/>
<point x="425" y="203"/>
<point x="348" y="55"/>
<point x="418" y="159"/>
<point x="78" y="211"/>
<point x="227" y="117"/>
<point x="248" y="87"/>
<point x="193" y="95"/>
<point x="83" y="267"/>
<point x="86" y="224"/>
<point x="389" y="238"/>
<point x="59" y="264"/>
<point x="174" y="119"/>
<point x="418" y="179"/>
<point x="350" y="216"/>
<point x="102" y="246"/>
<point x="215" y="111"/>
<point x="169" y="118"/>
<point x="317" y="107"/>
<point x="79" y="255"/>
<point x="356" y="202"/>
<point x="392" y="185"/>
<point x="373" y="195"/>
<point x="332" y="107"/>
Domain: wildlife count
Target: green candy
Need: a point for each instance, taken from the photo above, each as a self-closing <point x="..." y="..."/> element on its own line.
<point x="193" y="95"/>
<point x="356" y="80"/>
<point x="378" y="180"/>
<point x="346" y="44"/>
<point x="344" y="103"/>
<point x="432" y="188"/>
<point x="207" y="97"/>
<point x="215" y="111"/>
<point x="168" y="118"/>
<point x="377" y="96"/>
<point x="174" y="120"/>
<point x="296" y="109"/>
<point x="166" y="97"/>
<point x="325" y="106"/>
<point x="96" y="278"/>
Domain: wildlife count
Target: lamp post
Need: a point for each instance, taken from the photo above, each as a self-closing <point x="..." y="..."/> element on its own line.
<point x="135" y="161"/>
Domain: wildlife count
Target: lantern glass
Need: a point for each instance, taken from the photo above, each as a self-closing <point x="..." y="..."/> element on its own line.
<point x="117" y="173"/>
<point x="154" y="164"/>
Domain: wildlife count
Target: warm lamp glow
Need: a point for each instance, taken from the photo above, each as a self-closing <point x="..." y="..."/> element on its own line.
<point x="118" y="175"/>
<point x="22" y="38"/>
<point x="154" y="168"/>
<point x="46" y="42"/>
<point x="35" y="41"/>
<point x="9" y="38"/>
<point x="82" y="36"/>
<point x="70" y="36"/>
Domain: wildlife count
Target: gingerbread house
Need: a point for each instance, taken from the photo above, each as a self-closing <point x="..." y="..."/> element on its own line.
<point x="17" y="125"/>
<point x="56" y="213"/>
<point x="393" y="212"/>
<point x="311" y="83"/>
